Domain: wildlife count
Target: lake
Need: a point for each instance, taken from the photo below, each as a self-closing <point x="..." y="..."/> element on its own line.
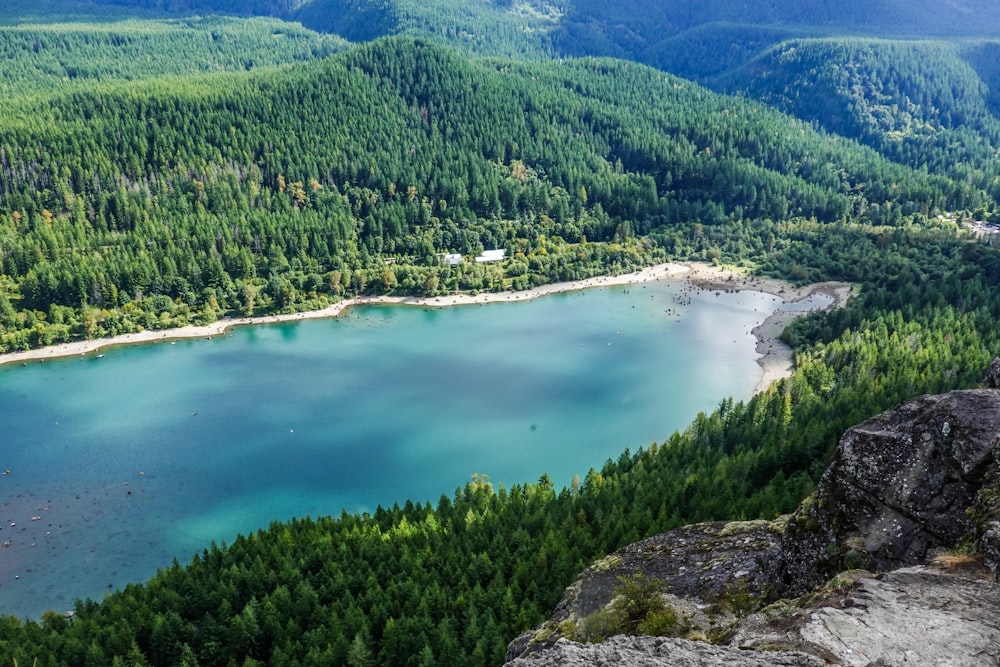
<point x="119" y="464"/>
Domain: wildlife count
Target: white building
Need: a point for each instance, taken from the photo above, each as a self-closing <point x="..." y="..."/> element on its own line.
<point x="492" y="256"/>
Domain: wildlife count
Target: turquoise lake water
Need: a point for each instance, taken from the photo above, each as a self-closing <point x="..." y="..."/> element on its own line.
<point x="120" y="464"/>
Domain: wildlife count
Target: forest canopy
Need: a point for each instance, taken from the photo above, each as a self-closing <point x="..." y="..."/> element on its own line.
<point x="181" y="199"/>
<point x="154" y="174"/>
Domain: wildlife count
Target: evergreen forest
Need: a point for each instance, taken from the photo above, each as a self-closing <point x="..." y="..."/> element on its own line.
<point x="169" y="163"/>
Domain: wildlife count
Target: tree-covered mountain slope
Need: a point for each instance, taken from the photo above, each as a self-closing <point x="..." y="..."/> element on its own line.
<point x="60" y="56"/>
<point x="148" y="205"/>
<point x="875" y="90"/>
<point x="924" y="103"/>
<point x="927" y="104"/>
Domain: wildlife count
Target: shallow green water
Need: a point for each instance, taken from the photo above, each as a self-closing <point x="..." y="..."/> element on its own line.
<point x="118" y="465"/>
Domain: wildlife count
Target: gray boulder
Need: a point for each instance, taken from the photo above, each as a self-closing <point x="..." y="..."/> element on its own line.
<point x="658" y="652"/>
<point x="912" y="616"/>
<point x="900" y="486"/>
<point x="992" y="380"/>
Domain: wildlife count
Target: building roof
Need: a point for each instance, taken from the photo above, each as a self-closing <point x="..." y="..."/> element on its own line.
<point x="492" y="256"/>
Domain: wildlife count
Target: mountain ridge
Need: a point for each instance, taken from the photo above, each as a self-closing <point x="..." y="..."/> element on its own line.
<point x="401" y="148"/>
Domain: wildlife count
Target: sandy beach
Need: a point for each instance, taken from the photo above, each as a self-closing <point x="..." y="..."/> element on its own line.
<point x="776" y="357"/>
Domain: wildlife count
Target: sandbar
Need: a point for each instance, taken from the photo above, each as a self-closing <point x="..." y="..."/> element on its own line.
<point x="776" y="359"/>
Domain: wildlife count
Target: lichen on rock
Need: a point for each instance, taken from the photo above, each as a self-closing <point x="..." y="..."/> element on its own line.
<point x="911" y="616"/>
<point x="899" y="486"/>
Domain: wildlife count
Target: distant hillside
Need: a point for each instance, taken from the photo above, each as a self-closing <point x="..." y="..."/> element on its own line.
<point x="887" y="89"/>
<point x="285" y="188"/>
<point x="649" y="20"/>
<point x="700" y="40"/>
<point x="640" y="30"/>
<point x="61" y="56"/>
<point x="928" y="104"/>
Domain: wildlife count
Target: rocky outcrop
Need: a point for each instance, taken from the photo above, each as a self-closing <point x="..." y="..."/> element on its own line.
<point x="904" y="487"/>
<point x="704" y="568"/>
<point x="912" y="616"/>
<point x="658" y="652"/>
<point x="899" y="486"/>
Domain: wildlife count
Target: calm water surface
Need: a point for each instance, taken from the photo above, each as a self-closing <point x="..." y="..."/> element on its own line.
<point x="118" y="465"/>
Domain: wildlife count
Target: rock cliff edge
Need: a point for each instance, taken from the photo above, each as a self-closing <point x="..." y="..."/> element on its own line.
<point x="892" y="561"/>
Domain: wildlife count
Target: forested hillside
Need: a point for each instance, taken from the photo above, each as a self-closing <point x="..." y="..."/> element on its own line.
<point x="927" y="104"/>
<point x="924" y="103"/>
<point x="62" y="56"/>
<point x="153" y="205"/>
<point x="711" y="42"/>
<point x="141" y="188"/>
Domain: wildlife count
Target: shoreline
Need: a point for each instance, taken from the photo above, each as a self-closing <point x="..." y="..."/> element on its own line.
<point x="776" y="359"/>
<point x="219" y="327"/>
